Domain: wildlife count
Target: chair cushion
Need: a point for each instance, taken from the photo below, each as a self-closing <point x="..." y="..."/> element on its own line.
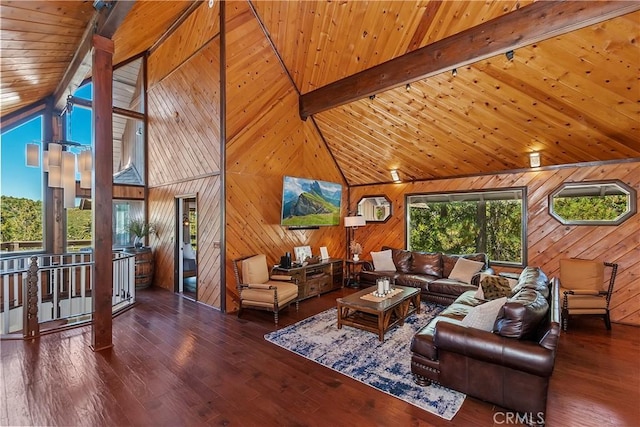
<point x="585" y="302"/>
<point x="254" y="269"/>
<point x="264" y="297"/>
<point x="581" y="274"/>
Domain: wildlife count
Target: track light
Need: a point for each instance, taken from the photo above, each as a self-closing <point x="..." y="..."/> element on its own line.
<point x="454" y="72"/>
<point x="372" y="97"/>
<point x="509" y="55"/>
<point x="408" y="87"/>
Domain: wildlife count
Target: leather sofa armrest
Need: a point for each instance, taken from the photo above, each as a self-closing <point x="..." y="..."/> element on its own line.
<point x="475" y="280"/>
<point x="367" y="266"/>
<point x="527" y="356"/>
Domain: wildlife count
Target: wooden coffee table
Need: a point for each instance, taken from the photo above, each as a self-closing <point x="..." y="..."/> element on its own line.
<point x="377" y="317"/>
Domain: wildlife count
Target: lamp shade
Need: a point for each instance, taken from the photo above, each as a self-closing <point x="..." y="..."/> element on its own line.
<point x="354" y="221"/>
<point x="55" y="176"/>
<point x="69" y="178"/>
<point x="33" y="155"/>
<point x="55" y="154"/>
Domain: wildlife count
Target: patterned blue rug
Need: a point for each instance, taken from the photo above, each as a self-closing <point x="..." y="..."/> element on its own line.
<point x="360" y="355"/>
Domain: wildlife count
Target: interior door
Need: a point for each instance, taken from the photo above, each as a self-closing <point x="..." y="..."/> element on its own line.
<point x="187" y="246"/>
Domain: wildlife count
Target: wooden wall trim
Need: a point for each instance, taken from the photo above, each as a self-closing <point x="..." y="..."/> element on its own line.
<point x="191" y="178"/>
<point x="512" y="171"/>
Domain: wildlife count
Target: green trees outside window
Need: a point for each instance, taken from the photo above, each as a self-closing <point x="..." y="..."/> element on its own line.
<point x="458" y="223"/>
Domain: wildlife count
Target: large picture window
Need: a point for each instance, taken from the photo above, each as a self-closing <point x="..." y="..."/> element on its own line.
<point x="22" y="208"/>
<point x="491" y="221"/>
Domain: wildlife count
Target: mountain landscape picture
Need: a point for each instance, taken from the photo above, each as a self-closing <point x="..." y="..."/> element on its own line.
<point x="310" y="202"/>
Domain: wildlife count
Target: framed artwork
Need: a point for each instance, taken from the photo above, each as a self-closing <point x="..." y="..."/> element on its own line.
<point x="302" y="253"/>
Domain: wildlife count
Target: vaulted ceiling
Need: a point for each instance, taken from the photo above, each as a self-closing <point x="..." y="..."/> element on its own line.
<point x="573" y="97"/>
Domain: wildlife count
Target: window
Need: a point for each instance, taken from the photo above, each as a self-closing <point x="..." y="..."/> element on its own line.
<point x="22" y="208"/>
<point x="123" y="211"/>
<point x="592" y="203"/>
<point x="491" y="221"/>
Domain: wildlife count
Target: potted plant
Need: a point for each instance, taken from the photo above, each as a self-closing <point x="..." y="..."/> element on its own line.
<point x="356" y="250"/>
<point x="140" y="229"/>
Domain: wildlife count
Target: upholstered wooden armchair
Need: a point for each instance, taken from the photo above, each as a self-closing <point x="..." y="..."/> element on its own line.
<point x="583" y="289"/>
<point x="257" y="289"/>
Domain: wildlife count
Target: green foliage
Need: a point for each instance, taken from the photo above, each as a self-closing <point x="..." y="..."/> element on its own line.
<point x="21" y="219"/>
<point x="590" y="208"/>
<point x="493" y="227"/>
<point x="78" y="224"/>
<point x="139" y="228"/>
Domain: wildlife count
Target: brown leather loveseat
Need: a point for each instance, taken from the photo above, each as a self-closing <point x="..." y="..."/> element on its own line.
<point x="509" y="366"/>
<point x="428" y="272"/>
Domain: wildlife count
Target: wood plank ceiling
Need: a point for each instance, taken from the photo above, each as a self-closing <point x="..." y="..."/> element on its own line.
<point x="574" y="98"/>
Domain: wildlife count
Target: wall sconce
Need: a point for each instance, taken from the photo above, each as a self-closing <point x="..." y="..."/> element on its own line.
<point x="394" y="175"/>
<point x="185" y="220"/>
<point x="534" y="160"/>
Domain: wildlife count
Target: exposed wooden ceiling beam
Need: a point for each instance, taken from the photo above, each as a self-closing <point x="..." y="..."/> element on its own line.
<point x="104" y="22"/>
<point x="527" y="25"/>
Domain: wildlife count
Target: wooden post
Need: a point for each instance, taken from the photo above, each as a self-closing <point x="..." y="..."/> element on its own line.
<point x="31" y="328"/>
<point x="101" y="332"/>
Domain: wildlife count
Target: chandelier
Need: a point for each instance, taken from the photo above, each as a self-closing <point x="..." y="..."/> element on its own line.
<point x="61" y="165"/>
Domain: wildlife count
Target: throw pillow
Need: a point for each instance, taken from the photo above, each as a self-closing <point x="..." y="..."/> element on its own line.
<point x="465" y="269"/>
<point x="383" y="261"/>
<point x="494" y="287"/>
<point x="484" y="316"/>
<point x="493" y="278"/>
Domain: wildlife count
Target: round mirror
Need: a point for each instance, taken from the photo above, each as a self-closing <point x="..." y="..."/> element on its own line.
<point x="375" y="208"/>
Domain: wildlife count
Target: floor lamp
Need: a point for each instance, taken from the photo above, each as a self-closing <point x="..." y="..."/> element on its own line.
<point x="350" y="224"/>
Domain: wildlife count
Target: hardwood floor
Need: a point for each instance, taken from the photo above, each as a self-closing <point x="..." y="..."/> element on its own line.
<point x="177" y="362"/>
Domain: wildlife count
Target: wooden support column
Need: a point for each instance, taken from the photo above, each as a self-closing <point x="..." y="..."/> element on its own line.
<point x="101" y="332"/>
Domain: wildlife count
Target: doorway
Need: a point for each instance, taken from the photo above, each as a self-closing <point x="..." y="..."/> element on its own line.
<point x="187" y="246"/>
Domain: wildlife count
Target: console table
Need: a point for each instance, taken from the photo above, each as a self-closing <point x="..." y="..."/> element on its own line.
<point x="315" y="279"/>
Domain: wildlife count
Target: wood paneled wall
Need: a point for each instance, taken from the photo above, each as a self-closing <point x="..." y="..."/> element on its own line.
<point x="265" y="141"/>
<point x="547" y="239"/>
<point x="184" y="147"/>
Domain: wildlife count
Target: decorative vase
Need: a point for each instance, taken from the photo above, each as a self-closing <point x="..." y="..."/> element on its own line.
<point x="137" y="242"/>
<point x="356" y="257"/>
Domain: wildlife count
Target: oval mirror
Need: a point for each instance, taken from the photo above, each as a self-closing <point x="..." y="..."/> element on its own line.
<point x="592" y="203"/>
<point x="375" y="208"/>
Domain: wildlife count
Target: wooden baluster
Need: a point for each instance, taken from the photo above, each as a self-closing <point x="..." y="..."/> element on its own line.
<point x="31" y="325"/>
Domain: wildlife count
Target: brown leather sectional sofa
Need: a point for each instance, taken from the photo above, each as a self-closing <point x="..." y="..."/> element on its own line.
<point x="427" y="271"/>
<point x="509" y="366"/>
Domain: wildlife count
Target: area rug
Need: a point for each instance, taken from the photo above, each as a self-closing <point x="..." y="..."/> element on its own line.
<point x="360" y="355"/>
